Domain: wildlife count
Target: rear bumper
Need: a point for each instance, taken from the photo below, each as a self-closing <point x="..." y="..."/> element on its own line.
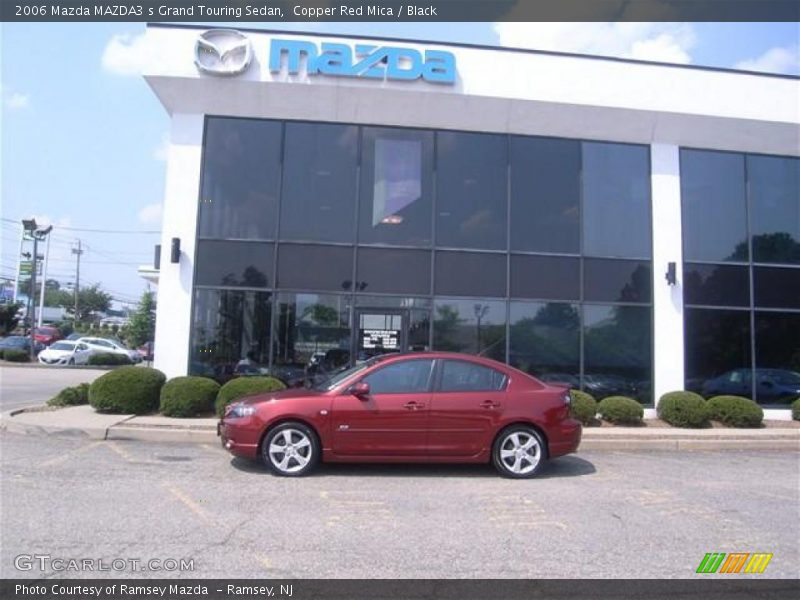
<point x="237" y="439"/>
<point x="567" y="440"/>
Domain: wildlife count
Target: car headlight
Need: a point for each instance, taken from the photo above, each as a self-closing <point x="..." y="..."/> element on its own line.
<point x="567" y="398"/>
<point x="241" y="410"/>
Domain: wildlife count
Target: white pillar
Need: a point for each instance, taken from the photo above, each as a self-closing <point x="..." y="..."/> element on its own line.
<point x="668" y="349"/>
<point x="173" y="313"/>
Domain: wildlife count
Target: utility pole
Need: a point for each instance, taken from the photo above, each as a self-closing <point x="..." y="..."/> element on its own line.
<point x="77" y="251"/>
<point x="44" y="281"/>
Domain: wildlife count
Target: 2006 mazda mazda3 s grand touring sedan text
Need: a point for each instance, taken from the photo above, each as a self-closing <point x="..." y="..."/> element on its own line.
<point x="419" y="407"/>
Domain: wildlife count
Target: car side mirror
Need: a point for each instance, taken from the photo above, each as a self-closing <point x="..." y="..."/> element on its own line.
<point x="360" y="390"/>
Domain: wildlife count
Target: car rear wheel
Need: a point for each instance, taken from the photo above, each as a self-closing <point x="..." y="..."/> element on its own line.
<point x="290" y="449"/>
<point x="519" y="452"/>
<point x="71" y="362"/>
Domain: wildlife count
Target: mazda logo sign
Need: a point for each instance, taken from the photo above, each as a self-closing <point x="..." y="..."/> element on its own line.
<point x="222" y="52"/>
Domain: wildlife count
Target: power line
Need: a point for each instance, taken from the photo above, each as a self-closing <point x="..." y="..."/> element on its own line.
<point x="90" y="230"/>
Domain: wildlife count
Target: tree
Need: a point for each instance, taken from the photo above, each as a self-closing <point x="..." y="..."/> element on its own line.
<point x="8" y="317"/>
<point x="90" y="299"/>
<point x="143" y="322"/>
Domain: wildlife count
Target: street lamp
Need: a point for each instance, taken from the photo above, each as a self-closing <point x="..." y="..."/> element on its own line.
<point x="38" y="235"/>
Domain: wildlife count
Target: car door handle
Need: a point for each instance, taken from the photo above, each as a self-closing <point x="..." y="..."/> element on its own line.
<point x="489" y="404"/>
<point x="413" y="405"/>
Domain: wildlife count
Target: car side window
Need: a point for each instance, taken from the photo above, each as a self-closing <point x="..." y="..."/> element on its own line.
<point x="407" y="377"/>
<point x="462" y="376"/>
<point x="83" y="347"/>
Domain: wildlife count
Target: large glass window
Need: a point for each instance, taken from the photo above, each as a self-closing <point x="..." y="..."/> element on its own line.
<point x="616" y="200"/>
<point x="396" y="187"/>
<point x="416" y="310"/>
<point x="545" y="194"/>
<point x="240" y="264"/>
<point x="545" y="340"/>
<point x="471" y="201"/>
<point x="312" y="267"/>
<point x="716" y="285"/>
<point x="230" y="333"/>
<point x="777" y="357"/>
<point x="545" y="277"/>
<point x="713" y="201"/>
<point x="392" y="271"/>
<point x="616" y="280"/>
<point x="617" y="342"/>
<point x="775" y="287"/>
<point x="319" y="182"/>
<point x="470" y="274"/>
<point x="241" y="171"/>
<point x="471" y="326"/>
<point x="774" y="187"/>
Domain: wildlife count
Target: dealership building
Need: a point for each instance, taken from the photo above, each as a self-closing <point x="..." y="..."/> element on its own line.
<point x="629" y="227"/>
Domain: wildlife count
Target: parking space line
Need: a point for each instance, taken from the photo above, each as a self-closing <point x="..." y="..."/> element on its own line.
<point x="189" y="503"/>
<point x="69" y="455"/>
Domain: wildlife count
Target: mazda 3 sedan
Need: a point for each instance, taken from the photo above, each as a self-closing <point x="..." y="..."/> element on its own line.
<point x="420" y="407"/>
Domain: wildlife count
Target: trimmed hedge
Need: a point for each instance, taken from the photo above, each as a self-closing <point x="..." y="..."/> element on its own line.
<point x="16" y="356"/>
<point x="127" y="390"/>
<point x="621" y="410"/>
<point x="188" y="396"/>
<point x="71" y="396"/>
<point x="584" y="407"/>
<point x="796" y="410"/>
<point x="735" y="411"/>
<point x="109" y="358"/>
<point x="245" y="386"/>
<point x="683" y="409"/>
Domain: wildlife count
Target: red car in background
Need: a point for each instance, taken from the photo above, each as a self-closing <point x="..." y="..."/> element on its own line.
<point x="418" y="407"/>
<point x="47" y="335"/>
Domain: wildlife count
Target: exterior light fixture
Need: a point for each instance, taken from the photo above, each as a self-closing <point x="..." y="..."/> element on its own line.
<point x="175" y="251"/>
<point x="672" y="275"/>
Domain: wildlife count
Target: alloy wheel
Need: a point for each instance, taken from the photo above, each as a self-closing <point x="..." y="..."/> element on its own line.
<point x="290" y="450"/>
<point x="520" y="452"/>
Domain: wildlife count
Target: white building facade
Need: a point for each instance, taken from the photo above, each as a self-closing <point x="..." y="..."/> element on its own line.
<point x="630" y="227"/>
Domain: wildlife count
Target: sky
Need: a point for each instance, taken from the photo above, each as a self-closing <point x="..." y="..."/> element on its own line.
<point x="82" y="137"/>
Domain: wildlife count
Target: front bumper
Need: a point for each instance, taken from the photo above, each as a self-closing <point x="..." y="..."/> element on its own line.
<point x="239" y="439"/>
<point x="53" y="362"/>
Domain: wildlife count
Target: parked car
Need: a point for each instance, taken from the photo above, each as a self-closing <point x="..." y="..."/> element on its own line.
<point x="20" y="342"/>
<point x="47" y="335"/>
<point x="110" y="346"/>
<point x="75" y="336"/>
<point x="772" y="385"/>
<point x="65" y="352"/>
<point x="413" y="407"/>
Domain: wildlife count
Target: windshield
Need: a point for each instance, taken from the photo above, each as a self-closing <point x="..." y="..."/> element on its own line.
<point x="339" y="377"/>
<point x="785" y="377"/>
<point x="62" y="346"/>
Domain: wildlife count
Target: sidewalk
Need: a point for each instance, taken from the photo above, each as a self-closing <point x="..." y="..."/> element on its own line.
<point x="84" y="421"/>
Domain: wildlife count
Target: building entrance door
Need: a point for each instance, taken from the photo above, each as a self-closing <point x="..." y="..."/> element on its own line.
<point x="380" y="331"/>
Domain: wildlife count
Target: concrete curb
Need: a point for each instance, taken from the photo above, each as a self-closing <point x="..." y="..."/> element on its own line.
<point x="162" y="429"/>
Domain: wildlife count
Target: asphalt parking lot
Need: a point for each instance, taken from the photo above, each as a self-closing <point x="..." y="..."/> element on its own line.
<point x="30" y="385"/>
<point x="595" y="514"/>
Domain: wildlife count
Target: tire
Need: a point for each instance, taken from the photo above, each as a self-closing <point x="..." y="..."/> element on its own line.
<point x="519" y="452"/>
<point x="301" y="458"/>
<point x="71" y="362"/>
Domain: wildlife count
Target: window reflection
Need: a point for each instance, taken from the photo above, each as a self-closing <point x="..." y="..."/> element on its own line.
<point x="545" y="340"/>
<point x="240" y="264"/>
<point x="471" y="326"/>
<point x="382" y="270"/>
<point x="777" y="357"/>
<point x="313" y="267"/>
<point x="716" y="285"/>
<point x="774" y="185"/>
<point x="616" y="280"/>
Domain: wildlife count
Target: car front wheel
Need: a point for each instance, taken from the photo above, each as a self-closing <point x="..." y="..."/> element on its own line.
<point x="290" y="449"/>
<point x="519" y="452"/>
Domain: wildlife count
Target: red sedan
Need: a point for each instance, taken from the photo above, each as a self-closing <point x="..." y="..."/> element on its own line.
<point x="421" y="407"/>
<point x="47" y="335"/>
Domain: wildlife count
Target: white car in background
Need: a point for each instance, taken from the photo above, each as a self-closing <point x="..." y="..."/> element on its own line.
<point x="99" y="345"/>
<point x="66" y="352"/>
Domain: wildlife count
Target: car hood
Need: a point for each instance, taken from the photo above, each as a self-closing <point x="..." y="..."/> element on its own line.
<point x="281" y="395"/>
<point x="50" y="353"/>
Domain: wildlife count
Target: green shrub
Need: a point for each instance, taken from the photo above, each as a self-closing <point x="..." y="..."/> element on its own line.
<point x="683" y="409"/>
<point x="188" y="396"/>
<point x="796" y="410"/>
<point x="735" y="411"/>
<point x="16" y="356"/>
<point x="584" y="407"/>
<point x="109" y="358"/>
<point x="71" y="396"/>
<point x="621" y="410"/>
<point x="245" y="386"/>
<point x="127" y="390"/>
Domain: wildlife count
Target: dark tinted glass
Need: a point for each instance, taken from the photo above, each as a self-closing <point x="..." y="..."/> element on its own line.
<point x="239" y="188"/>
<point x="394" y="271"/>
<point x="315" y="267"/>
<point x="245" y="264"/>
<point x="774" y="287"/>
<point x="774" y="184"/>
<point x="408" y="377"/>
<point x="545" y="340"/>
<point x="716" y="285"/>
<point x="319" y="182"/>
<point x="617" y="342"/>
<point x="777" y="357"/>
<point x="616" y="200"/>
<point x="717" y="351"/>
<point x="471" y="196"/>
<point x="545" y="194"/>
<point x="713" y="202"/>
<point x="546" y="277"/>
<point x="311" y="336"/>
<point x="462" y="376"/>
<point x="230" y="333"/>
<point x="396" y="187"/>
<point x="471" y="326"/>
<point x="616" y="280"/>
<point x="470" y="274"/>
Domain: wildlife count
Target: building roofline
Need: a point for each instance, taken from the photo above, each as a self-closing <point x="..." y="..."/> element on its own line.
<point x="486" y="47"/>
